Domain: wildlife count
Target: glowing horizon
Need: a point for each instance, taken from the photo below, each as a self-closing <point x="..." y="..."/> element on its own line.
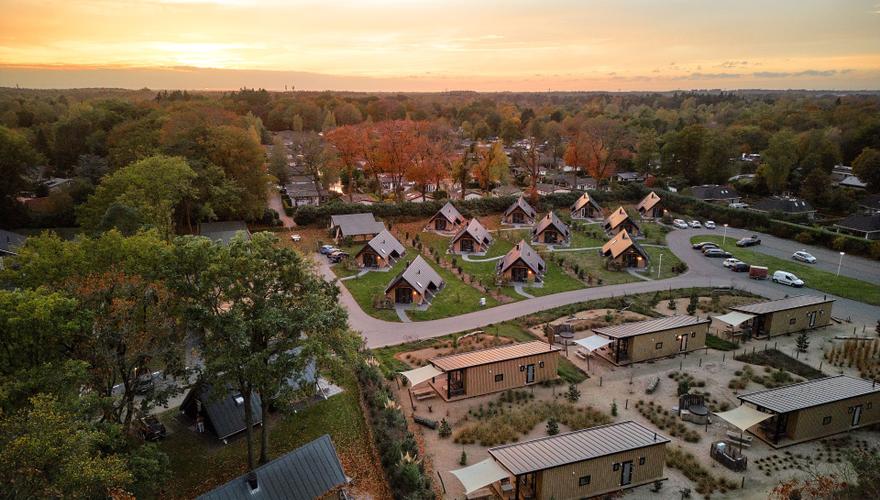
<point x="434" y="45"/>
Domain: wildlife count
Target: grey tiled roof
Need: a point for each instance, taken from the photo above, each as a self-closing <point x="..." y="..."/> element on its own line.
<point x="551" y="220"/>
<point x="223" y="232"/>
<point x="305" y="473"/>
<point x="714" y="192"/>
<point x="356" y="224"/>
<point x="385" y="243"/>
<point x="419" y="274"/>
<point x="527" y="254"/>
<point x="649" y="326"/>
<point x="771" y="306"/>
<point x="521" y="203"/>
<point x="572" y="447"/>
<point x="871" y="201"/>
<point x="811" y="393"/>
<point x="224" y="413"/>
<point x="476" y="231"/>
<point x="865" y="223"/>
<point x="784" y="205"/>
<point x="451" y="213"/>
<point x="9" y="241"/>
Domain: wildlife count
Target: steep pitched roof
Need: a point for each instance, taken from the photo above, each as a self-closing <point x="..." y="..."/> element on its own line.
<point x="522" y="251"/>
<point x="620" y="243"/>
<point x="583" y="201"/>
<point x="225" y="408"/>
<point x="648" y="202"/>
<point x="356" y="224"/>
<point x="522" y="204"/>
<point x="617" y="218"/>
<point x="551" y="220"/>
<point x="305" y="473"/>
<point x="419" y="274"/>
<point x="476" y="231"/>
<point x="384" y="243"/>
<point x="450" y="213"/>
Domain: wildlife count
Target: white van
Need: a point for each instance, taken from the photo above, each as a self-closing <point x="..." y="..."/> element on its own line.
<point x="786" y="278"/>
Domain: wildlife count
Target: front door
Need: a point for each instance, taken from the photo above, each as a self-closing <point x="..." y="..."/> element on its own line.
<point x="626" y="473"/>
<point x="518" y="274"/>
<point x="403" y="295"/>
<point x="530" y="374"/>
<point x="856" y="415"/>
<point x="454" y="383"/>
<point x="811" y="316"/>
<point x="467" y="245"/>
<point x="517" y="218"/>
<point x="440" y="224"/>
<point x="683" y="343"/>
<point x="369" y="260"/>
<point x="526" y="486"/>
<point x="550" y="237"/>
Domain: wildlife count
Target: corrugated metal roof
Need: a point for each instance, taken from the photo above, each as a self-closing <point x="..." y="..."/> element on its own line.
<point x="551" y="220"/>
<point x="583" y="201"/>
<point x="648" y="202"/>
<point x="529" y="256"/>
<point x="650" y="326"/>
<point x="305" y="473"/>
<point x="492" y="355"/>
<point x="810" y="393"/>
<point x="522" y="204"/>
<point x="476" y="231"/>
<point x="356" y="224"/>
<point x="782" y="304"/>
<point x="572" y="447"/>
<point x="420" y="275"/>
<point x="384" y="244"/>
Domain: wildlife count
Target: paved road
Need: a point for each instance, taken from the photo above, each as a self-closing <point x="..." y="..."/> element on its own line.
<point x="702" y="272"/>
<point x="276" y="204"/>
<point x="852" y="266"/>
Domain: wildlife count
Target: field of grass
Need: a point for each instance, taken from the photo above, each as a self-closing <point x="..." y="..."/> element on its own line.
<point x="365" y="288"/>
<point x="842" y="286"/>
<point x="456" y="298"/>
<point x="718" y="343"/>
<point x="669" y="261"/>
<point x="570" y="373"/>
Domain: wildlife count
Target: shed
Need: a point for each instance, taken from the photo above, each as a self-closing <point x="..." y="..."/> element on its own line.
<point x="654" y="338"/>
<point x="788" y="315"/>
<point x="585" y="463"/>
<point x="472" y="238"/>
<point x="380" y="252"/>
<point x="417" y="284"/>
<point x="447" y="219"/>
<point x="520" y="212"/>
<point x="551" y="231"/>
<point x="815" y="409"/>
<point x="586" y="207"/>
<point x="484" y="371"/>
<point x="358" y="227"/>
<point x="624" y="250"/>
<point x="521" y="264"/>
<point x="308" y="472"/>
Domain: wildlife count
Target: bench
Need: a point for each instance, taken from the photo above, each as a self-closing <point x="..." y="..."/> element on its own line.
<point x="423" y="394"/>
<point x="581" y="354"/>
<point x="744" y="440"/>
<point x="652" y="386"/>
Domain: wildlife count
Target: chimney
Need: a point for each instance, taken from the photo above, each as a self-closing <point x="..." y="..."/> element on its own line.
<point x="252" y="481"/>
<point x="655" y="438"/>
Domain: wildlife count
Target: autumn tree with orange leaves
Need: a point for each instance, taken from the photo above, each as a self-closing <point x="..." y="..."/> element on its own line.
<point x="349" y="141"/>
<point x="597" y="145"/>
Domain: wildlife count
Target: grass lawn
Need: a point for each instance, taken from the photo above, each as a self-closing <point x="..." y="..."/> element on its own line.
<point x="718" y="343"/>
<point x="365" y="288"/>
<point x="818" y="279"/>
<point x="669" y="260"/>
<point x="570" y="373"/>
<point x="654" y="233"/>
<point x="199" y="462"/>
<point x="456" y="298"/>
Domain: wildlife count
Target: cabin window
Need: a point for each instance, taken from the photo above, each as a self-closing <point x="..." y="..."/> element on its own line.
<point x="584" y="480"/>
<point x="792" y="321"/>
<point x="499" y="377"/>
<point x="659" y="346"/>
<point x="522" y="368"/>
<point x="540" y="364"/>
<point x="868" y="406"/>
<point x="616" y="467"/>
<point x="641" y="460"/>
<point x="693" y="335"/>
<point x="826" y="420"/>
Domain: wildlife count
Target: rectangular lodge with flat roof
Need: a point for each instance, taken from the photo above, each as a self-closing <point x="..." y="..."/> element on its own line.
<point x="654" y="338"/>
<point x="815" y="409"/>
<point x="485" y="371"/>
<point x="586" y="463"/>
<point x="791" y="315"/>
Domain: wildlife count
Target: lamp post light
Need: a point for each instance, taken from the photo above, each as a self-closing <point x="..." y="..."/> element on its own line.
<point x="840" y="262"/>
<point x="659" y="265"/>
<point x="724" y="239"/>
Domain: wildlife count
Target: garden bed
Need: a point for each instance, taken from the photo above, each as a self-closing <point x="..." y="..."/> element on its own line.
<point x="779" y="360"/>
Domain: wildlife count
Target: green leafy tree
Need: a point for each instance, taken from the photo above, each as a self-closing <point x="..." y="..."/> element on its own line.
<point x="16" y="158"/>
<point x="573" y="394"/>
<point x="778" y="160"/>
<point x="552" y="426"/>
<point x="692" y="304"/>
<point x="714" y="161"/>
<point x="802" y="342"/>
<point x="240" y="155"/>
<point x="867" y="168"/>
<point x="278" y="161"/>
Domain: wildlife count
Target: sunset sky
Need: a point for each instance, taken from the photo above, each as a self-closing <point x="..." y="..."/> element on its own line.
<point x="436" y="45"/>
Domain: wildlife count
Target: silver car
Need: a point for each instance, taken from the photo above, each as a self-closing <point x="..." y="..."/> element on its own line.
<point x="803" y="256"/>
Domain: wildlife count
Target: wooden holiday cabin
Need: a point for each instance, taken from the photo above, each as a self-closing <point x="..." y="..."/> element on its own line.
<point x="620" y="220"/>
<point x="522" y="264"/>
<point x="784" y="316"/>
<point x="472" y="238"/>
<point x="654" y="338"/>
<point x="586" y="208"/>
<point x="417" y="284"/>
<point x="356" y="227"/>
<point x="551" y="231"/>
<point x="447" y="220"/>
<point x="381" y="252"/>
<point x="625" y="251"/>
<point x="650" y="207"/>
<point x="519" y="213"/>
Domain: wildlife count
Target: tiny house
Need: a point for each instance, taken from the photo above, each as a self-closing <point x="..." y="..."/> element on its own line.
<point x="624" y="251"/>
<point x="653" y="338"/>
<point x="650" y="206"/>
<point x="551" y="231"/>
<point x="519" y="213"/>
<point x="620" y="220"/>
<point x="417" y="284"/>
<point x="790" y="315"/>
<point x="586" y="208"/>
<point x="522" y="264"/>
<point x="472" y="238"/>
<point x="381" y="252"/>
<point x="447" y="220"/>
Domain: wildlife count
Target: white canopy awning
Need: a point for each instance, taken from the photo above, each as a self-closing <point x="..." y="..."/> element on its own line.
<point x="734" y="318"/>
<point x="481" y="474"/>
<point x="593" y="342"/>
<point x="742" y="417"/>
<point x="419" y="375"/>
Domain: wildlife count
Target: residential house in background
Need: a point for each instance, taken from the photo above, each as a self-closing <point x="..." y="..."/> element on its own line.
<point x="650" y="206"/>
<point x="715" y="194"/>
<point x="310" y="471"/>
<point x="788" y="315"/>
<point x="472" y="238"/>
<point x="303" y="190"/>
<point x="507" y="190"/>
<point x="653" y="338"/>
<point x="447" y="220"/>
<point x="417" y="284"/>
<point x="785" y="205"/>
<point x="620" y="220"/>
<point x="9" y="242"/>
<point x="861" y="225"/>
<point x="358" y="227"/>
<point x="629" y="177"/>
<point x="586" y="207"/>
<point x="381" y="252"/>
<point x="551" y="231"/>
<point x="624" y="251"/>
<point x="224" y="232"/>
<point x="520" y="212"/>
<point x="815" y="409"/>
<point x="222" y="412"/>
<point x="870" y="204"/>
<point x="522" y="264"/>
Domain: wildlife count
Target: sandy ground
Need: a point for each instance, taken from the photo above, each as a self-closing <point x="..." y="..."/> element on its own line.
<point x="420" y="357"/>
<point x="625" y="386"/>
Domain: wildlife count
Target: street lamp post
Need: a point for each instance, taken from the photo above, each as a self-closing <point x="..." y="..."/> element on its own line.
<point x="840" y="262"/>
<point x="659" y="265"/>
<point x="724" y="239"/>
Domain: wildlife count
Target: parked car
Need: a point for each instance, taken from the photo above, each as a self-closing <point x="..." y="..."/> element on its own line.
<point x="738" y="204"/>
<point x="786" y="278"/>
<point x="150" y="428"/>
<point x="710" y="224"/>
<point x="758" y="272"/>
<point x="328" y="249"/>
<point x="740" y="267"/>
<point x="803" y="256"/>
<point x="296" y="237"/>
<point x="709" y="247"/>
<point x="717" y="253"/>
<point x="749" y="241"/>
<point x="680" y="224"/>
<point x="703" y="244"/>
<point x="337" y="256"/>
<point x="696" y="224"/>
<point x="731" y="262"/>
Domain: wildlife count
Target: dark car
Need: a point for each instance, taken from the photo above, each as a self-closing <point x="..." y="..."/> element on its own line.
<point x="703" y="244"/>
<point x="150" y="428"/>
<point x="717" y="253"/>
<point x="749" y="241"/>
<point x="337" y="256"/>
<point x="740" y="267"/>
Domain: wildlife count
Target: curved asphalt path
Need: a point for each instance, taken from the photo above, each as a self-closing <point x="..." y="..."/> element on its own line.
<point x="702" y="272"/>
